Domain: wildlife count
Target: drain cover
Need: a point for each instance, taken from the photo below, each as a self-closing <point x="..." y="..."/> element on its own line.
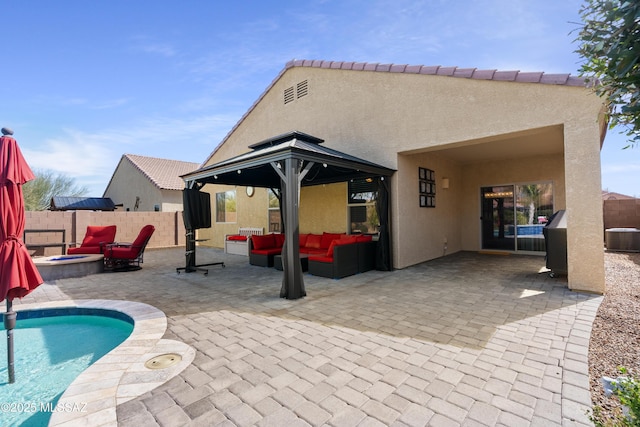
<point x="163" y="361"/>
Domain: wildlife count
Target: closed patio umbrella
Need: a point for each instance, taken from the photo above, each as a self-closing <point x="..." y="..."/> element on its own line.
<point x="18" y="275"/>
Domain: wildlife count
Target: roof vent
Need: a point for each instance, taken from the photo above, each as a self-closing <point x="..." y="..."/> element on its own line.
<point x="302" y="88"/>
<point x="288" y="95"/>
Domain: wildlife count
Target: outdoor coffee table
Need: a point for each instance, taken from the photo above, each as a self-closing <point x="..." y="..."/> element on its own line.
<point x="304" y="262"/>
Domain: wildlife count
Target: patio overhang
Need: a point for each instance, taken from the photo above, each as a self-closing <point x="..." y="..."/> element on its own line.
<point x="288" y="162"/>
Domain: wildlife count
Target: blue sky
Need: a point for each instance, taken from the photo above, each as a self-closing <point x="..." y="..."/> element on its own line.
<point x="85" y="82"/>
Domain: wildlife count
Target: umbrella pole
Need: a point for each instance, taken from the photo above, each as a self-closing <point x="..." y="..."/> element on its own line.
<point x="9" y="324"/>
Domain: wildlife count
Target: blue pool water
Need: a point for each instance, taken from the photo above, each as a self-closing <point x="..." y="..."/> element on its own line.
<point x="50" y="352"/>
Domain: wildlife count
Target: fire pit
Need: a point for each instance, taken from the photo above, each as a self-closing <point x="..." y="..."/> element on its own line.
<point x="65" y="266"/>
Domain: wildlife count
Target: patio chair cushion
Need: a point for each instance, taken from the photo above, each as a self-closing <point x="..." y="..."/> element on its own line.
<point x="127" y="252"/>
<point x="361" y="238"/>
<point x="327" y="259"/>
<point x="237" y="237"/>
<point x="303" y="239"/>
<point x="338" y="242"/>
<point x="95" y="239"/>
<point x="267" y="251"/>
<point x="327" y="238"/>
<point x="313" y="241"/>
<point x="279" y="240"/>
<point x="263" y="242"/>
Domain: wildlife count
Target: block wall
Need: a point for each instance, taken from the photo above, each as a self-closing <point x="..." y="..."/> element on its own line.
<point x="622" y="213"/>
<point x="169" y="226"/>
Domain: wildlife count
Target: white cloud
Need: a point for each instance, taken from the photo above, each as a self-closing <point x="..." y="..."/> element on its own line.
<point x="110" y="103"/>
<point x="91" y="157"/>
<point x="145" y="44"/>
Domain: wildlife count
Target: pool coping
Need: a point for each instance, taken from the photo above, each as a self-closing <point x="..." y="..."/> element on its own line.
<point x="120" y="375"/>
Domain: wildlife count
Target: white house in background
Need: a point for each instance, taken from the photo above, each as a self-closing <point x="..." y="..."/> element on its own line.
<point x="142" y="183"/>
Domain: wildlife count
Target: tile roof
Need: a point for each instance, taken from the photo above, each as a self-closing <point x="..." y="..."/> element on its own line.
<point x="163" y="173"/>
<point x="469" y="73"/>
<point x="611" y="195"/>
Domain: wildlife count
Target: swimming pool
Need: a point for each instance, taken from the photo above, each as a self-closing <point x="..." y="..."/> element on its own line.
<point x="53" y="347"/>
<point x="121" y="374"/>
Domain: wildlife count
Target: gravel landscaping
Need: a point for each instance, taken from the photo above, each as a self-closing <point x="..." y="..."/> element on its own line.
<point x="615" y="339"/>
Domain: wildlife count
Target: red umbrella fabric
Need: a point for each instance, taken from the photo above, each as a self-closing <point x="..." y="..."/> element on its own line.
<point x="18" y="275"/>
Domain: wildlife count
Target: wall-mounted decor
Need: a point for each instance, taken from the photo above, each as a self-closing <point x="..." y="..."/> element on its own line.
<point x="427" y="188"/>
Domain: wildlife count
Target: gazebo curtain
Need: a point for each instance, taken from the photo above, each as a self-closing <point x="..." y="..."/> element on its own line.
<point x="383" y="253"/>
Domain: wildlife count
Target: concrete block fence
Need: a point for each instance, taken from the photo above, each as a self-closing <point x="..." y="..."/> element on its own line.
<point x="622" y="213"/>
<point x="169" y="232"/>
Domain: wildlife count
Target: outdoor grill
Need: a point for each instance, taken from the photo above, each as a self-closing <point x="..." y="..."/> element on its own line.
<point x="555" y="239"/>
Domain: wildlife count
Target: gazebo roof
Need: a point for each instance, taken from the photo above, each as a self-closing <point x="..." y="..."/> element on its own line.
<point x="256" y="168"/>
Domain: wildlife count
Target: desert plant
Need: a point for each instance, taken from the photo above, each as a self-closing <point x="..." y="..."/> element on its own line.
<point x="626" y="389"/>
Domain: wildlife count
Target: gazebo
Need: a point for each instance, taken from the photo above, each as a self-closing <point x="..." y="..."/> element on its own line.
<point x="286" y="163"/>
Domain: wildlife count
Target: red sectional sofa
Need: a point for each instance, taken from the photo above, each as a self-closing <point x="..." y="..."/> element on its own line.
<point x="331" y="255"/>
<point x="345" y="257"/>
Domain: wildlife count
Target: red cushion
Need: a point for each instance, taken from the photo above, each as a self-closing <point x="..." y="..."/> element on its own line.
<point x="99" y="234"/>
<point x="267" y="251"/>
<point x="279" y="239"/>
<point x="313" y="241"/>
<point x="263" y="242"/>
<point x="237" y="237"/>
<point x="321" y="259"/>
<point x="364" y="238"/>
<point x="327" y="238"/>
<point x="144" y="234"/>
<point x="123" y="253"/>
<point x="84" y="250"/>
<point x="338" y="242"/>
<point x="315" y="251"/>
<point x="303" y="239"/>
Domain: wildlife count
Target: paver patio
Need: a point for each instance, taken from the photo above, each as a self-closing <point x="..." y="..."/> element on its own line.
<point x="469" y="339"/>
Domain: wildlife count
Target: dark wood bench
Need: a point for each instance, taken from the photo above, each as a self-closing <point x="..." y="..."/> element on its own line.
<point x="41" y="246"/>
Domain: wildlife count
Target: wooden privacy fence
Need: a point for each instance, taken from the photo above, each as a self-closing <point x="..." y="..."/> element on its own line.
<point x="170" y="231"/>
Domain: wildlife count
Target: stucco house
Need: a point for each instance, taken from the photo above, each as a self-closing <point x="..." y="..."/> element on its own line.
<point x="141" y="183"/>
<point x="482" y="159"/>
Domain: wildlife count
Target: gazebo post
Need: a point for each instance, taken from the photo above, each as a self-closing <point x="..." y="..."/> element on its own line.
<point x="292" y="280"/>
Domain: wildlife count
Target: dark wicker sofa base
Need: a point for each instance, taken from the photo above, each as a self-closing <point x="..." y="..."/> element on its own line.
<point x="347" y="260"/>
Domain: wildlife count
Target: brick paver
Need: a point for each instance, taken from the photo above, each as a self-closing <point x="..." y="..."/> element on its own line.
<point x="470" y="339"/>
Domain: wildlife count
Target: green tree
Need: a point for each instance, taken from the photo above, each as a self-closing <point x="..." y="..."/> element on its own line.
<point x="47" y="184"/>
<point x="610" y="44"/>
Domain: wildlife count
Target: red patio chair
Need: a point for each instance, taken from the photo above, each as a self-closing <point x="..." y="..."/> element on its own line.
<point x="128" y="256"/>
<point x="95" y="240"/>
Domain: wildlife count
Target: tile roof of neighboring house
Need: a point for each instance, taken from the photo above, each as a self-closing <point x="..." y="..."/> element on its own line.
<point x="437" y="70"/>
<point x="163" y="173"/>
<point x="610" y="195"/>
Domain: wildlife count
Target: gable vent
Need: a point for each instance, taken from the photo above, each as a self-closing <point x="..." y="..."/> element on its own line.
<point x="288" y="95"/>
<point x="302" y="88"/>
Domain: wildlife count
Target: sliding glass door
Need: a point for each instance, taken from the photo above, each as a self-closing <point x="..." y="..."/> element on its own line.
<point x="513" y="216"/>
<point x="498" y="218"/>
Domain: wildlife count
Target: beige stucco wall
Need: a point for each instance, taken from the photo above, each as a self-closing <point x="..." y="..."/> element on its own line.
<point x="426" y="233"/>
<point x="171" y="201"/>
<point x="388" y="118"/>
<point x="322" y="208"/>
<point x="128" y="183"/>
